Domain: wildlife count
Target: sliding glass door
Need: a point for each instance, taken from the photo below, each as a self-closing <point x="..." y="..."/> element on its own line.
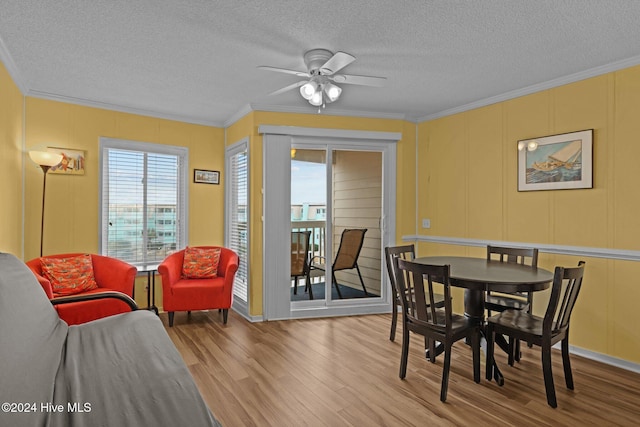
<point x="337" y="204"/>
<point x="308" y="223"/>
<point x="340" y="192"/>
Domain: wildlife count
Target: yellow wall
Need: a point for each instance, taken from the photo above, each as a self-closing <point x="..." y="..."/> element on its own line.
<point x="72" y="217"/>
<point x="467" y="186"/>
<point x="247" y="127"/>
<point x="11" y="158"/>
<point x="465" y="182"/>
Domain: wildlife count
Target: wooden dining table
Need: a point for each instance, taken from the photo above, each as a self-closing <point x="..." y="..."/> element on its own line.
<point x="478" y="275"/>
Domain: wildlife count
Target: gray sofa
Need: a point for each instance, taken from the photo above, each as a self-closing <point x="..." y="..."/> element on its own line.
<point x="122" y="370"/>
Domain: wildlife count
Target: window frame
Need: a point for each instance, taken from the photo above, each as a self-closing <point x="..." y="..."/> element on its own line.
<point x="182" y="205"/>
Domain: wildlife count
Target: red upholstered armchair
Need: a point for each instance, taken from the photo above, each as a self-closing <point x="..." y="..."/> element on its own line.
<point x="110" y="275"/>
<point x="183" y="294"/>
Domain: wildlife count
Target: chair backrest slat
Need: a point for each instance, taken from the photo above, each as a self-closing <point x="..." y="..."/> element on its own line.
<point x="566" y="286"/>
<point x="406" y="252"/>
<point x="416" y="284"/>
<point x="524" y="256"/>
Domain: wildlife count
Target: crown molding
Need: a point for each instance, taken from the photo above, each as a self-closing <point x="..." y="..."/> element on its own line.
<point x="327" y="111"/>
<point x="11" y="67"/>
<point x="538" y="87"/>
<point x="246" y="109"/>
<point x="121" y="108"/>
<point x="272" y="108"/>
<point x="329" y="133"/>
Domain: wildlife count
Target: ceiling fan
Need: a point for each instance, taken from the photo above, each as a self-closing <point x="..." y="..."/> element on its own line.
<point x="322" y="65"/>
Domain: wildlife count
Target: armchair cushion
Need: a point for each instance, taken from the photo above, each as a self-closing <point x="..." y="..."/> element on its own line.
<point x="200" y="263"/>
<point x="70" y="275"/>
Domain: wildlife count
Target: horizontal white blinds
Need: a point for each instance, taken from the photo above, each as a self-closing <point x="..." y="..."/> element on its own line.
<point x="237" y="220"/>
<point x="142" y="203"/>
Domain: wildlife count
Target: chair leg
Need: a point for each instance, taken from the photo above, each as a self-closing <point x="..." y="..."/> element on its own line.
<point x="335" y="282"/>
<point x="445" y="372"/>
<point x="405" y="351"/>
<point x="489" y="362"/>
<point x="361" y="281"/>
<point x="566" y="363"/>
<point x="295" y="285"/>
<point x="394" y="320"/>
<point x="308" y="286"/>
<point x="475" y="348"/>
<point x="548" y="375"/>
<point x="517" y="352"/>
<point x="225" y="314"/>
<point x="511" y="351"/>
<point x="432" y="349"/>
<point x="171" y="313"/>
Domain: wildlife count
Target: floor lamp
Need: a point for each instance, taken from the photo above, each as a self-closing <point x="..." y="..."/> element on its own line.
<point x="45" y="160"/>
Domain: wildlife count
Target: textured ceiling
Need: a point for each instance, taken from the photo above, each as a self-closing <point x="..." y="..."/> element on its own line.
<point x="195" y="60"/>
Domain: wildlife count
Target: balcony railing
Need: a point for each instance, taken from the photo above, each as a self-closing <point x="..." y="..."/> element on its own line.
<point x="317" y="228"/>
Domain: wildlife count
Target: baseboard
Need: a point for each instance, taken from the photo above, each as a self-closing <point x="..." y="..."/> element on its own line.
<point x="603" y="358"/>
<point x="241" y="308"/>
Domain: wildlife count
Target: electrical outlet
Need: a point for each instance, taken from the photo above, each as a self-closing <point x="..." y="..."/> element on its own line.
<point x="426" y="223"/>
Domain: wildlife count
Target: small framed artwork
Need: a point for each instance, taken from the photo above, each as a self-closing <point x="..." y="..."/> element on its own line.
<point x="206" y="177"/>
<point x="556" y="162"/>
<point x="72" y="162"/>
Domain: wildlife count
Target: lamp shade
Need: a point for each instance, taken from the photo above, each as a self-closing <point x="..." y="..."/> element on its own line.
<point x="307" y="90"/>
<point x="333" y="92"/>
<point x="316" y="99"/>
<point x="45" y="158"/>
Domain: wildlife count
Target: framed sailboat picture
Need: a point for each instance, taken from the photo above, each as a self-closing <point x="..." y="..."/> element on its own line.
<point x="556" y="162"/>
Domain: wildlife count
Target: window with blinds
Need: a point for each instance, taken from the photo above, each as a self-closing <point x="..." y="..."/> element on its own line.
<point x="237" y="215"/>
<point x="143" y="212"/>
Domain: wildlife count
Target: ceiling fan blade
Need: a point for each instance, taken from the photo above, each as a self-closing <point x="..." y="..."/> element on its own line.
<point x="285" y="70"/>
<point x="287" y="88"/>
<point x="359" y="80"/>
<point x="337" y="62"/>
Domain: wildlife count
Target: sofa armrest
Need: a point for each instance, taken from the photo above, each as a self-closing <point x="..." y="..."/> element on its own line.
<point x="96" y="296"/>
<point x="114" y="274"/>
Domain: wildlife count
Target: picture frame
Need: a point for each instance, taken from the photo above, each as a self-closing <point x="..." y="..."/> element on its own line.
<point x="72" y="163"/>
<point x="556" y="162"/>
<point x="203" y="176"/>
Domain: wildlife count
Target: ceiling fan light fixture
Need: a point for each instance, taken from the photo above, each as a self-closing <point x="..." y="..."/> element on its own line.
<point x="332" y="91"/>
<point x="307" y="90"/>
<point x="316" y="99"/>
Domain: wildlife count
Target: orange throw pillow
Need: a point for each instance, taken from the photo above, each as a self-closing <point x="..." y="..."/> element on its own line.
<point x="200" y="263"/>
<point x="69" y="276"/>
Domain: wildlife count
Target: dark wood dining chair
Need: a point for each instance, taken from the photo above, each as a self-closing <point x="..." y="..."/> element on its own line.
<point x="347" y="256"/>
<point x="422" y="316"/>
<point x="406" y="252"/>
<point x="300" y="260"/>
<point x="499" y="302"/>
<point x="543" y="332"/>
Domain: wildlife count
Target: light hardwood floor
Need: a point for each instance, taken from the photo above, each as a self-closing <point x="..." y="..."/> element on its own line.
<point x="344" y="372"/>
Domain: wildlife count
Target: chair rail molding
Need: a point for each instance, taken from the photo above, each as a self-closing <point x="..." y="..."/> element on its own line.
<point x="619" y="254"/>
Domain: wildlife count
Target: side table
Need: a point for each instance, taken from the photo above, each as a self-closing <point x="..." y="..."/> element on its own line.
<point x="150" y="269"/>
